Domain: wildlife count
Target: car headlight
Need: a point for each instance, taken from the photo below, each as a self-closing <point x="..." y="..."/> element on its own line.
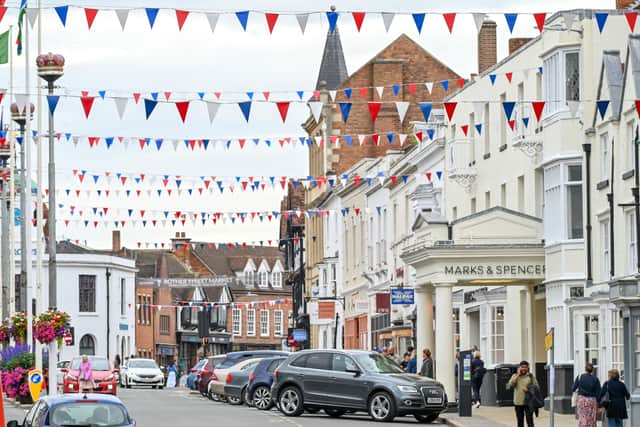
<point x="72" y="378"/>
<point x="109" y="378"/>
<point x="407" y="389"/>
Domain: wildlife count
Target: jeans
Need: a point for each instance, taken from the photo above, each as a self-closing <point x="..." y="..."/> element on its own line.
<point x="615" y="422"/>
<point x="522" y="412"/>
<point x="475" y="392"/>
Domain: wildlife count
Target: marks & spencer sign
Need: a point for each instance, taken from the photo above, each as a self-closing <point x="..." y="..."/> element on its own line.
<point x="495" y="270"/>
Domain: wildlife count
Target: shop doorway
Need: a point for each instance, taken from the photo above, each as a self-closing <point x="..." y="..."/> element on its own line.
<point x="474" y="328"/>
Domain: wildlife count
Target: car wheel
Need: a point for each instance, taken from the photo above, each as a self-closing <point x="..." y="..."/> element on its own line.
<point x="160" y="387"/>
<point x="234" y="400"/>
<point x="245" y="397"/>
<point x="291" y="403"/>
<point x="262" y="398"/>
<point x="334" y="413"/>
<point x="127" y="384"/>
<point x="427" y="419"/>
<point x="382" y="407"/>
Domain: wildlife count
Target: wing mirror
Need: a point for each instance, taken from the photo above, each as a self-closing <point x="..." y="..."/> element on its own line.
<point x="355" y="372"/>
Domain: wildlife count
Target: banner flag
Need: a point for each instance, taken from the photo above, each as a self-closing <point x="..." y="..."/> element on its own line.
<point x="429" y="86"/>
<point x="213" y="21"/>
<point x="631" y="17"/>
<point x="450" y="108"/>
<point x="183" y="108"/>
<point x="601" y="19"/>
<point x="449" y="19"/>
<point x="538" y="107"/>
<point x="152" y="14"/>
<point x="271" y="18"/>
<point x="62" y="12"/>
<point x="123" y="15"/>
<point x="358" y="18"/>
<point x="418" y="18"/>
<point x="283" y="108"/>
<point x="387" y="19"/>
<point x="149" y="106"/>
<point x="32" y="15"/>
<point x="121" y="105"/>
<point x="302" y="18"/>
<point x="540" y="19"/>
<point x="511" y="20"/>
<point x="602" y="108"/>
<point x="478" y="18"/>
<point x="316" y="110"/>
<point x="181" y="16"/>
<point x="90" y="15"/>
<point x="243" y="18"/>
<point x="345" y="109"/>
<point x="212" y="110"/>
<point x="374" y="109"/>
<point x="245" y="107"/>
<point x="426" y="108"/>
<point x="332" y="17"/>
<point x="508" y="107"/>
<point x="479" y="128"/>
<point x="52" y="100"/>
<point x="87" y="103"/>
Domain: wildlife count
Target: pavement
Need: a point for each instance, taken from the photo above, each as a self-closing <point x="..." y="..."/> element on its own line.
<point x="179" y="407"/>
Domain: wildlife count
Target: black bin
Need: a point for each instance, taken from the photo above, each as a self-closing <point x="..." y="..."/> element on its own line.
<point x="504" y="396"/>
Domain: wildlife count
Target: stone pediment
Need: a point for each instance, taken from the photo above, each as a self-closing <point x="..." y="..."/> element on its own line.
<point x="497" y="225"/>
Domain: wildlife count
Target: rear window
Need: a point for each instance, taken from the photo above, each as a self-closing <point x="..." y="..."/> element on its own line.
<point x="89" y="413"/>
<point x="314" y="361"/>
<point x="274" y="365"/>
<point x="300" y="362"/>
<point x="229" y="362"/>
<point x="200" y="364"/>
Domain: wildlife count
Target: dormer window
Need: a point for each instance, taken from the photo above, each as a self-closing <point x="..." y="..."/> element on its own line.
<point x="264" y="279"/>
<point x="276" y="279"/>
<point x="249" y="278"/>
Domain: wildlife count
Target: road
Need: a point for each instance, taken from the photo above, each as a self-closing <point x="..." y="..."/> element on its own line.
<point x="180" y="408"/>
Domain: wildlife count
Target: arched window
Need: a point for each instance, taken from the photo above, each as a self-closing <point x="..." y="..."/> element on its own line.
<point x="88" y="345"/>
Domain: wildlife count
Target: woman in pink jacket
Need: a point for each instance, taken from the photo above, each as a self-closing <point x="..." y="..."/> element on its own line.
<point x="86" y="375"/>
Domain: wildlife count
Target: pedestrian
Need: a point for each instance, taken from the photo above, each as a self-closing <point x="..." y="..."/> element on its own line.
<point x="86" y="375"/>
<point x="172" y="375"/>
<point x="116" y="362"/>
<point x="391" y="354"/>
<point x="613" y="397"/>
<point x="520" y="382"/>
<point x="477" y="375"/>
<point x="426" y="370"/>
<point x="412" y="365"/>
<point x="405" y="361"/>
<point x="588" y="388"/>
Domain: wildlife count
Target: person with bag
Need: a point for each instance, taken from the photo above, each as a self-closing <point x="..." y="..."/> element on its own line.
<point x="520" y="383"/>
<point x="426" y="370"/>
<point x="587" y="386"/>
<point x="613" y="397"/>
<point x="86" y="375"/>
<point x="477" y="375"/>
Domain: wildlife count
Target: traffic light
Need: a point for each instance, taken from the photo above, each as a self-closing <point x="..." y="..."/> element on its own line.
<point x="203" y="324"/>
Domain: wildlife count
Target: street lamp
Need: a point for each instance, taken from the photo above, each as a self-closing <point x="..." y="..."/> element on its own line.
<point x="51" y="68"/>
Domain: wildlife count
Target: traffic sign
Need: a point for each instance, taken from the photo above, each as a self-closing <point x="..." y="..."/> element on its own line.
<point x="548" y="341"/>
<point x="35" y="383"/>
<point x="68" y="339"/>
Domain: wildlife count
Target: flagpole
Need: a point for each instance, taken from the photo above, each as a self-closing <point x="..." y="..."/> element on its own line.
<point x="12" y="188"/>
<point x="40" y="199"/>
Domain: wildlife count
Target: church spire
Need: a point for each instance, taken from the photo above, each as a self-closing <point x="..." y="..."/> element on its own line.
<point x="333" y="69"/>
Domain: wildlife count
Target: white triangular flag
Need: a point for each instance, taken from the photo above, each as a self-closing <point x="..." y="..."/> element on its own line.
<point x="121" y="105"/>
<point x="149" y="193"/>
<point x="123" y="15"/>
<point x="126" y="144"/>
<point x="402" y="137"/>
<point x="387" y="18"/>
<point x="362" y="139"/>
<point x="212" y="109"/>
<point x="117" y="193"/>
<point x="573" y="107"/>
<point x="21" y="100"/>
<point x="318" y="140"/>
<point x="316" y="109"/>
<point x="478" y="18"/>
<point x="213" y="20"/>
<point x="478" y="111"/>
<point x="429" y="86"/>
<point x="568" y="17"/>
<point x="175" y="143"/>
<point x="332" y="94"/>
<point x="380" y="90"/>
<point x="76" y="139"/>
<point x="302" y="18"/>
<point x="402" y="107"/>
<point x="32" y="15"/>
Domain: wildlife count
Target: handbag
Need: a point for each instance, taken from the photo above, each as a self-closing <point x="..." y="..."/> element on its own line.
<point x="605" y="399"/>
<point x="574" y="399"/>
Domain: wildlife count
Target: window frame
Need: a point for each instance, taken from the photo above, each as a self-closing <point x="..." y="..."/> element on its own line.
<point x="164" y="324"/>
<point x="617" y="341"/>
<point x="632" y="244"/>
<point x="263" y="279"/>
<point x="497" y="354"/>
<point x="251" y="322"/>
<point x="566" y="185"/>
<point x="588" y="320"/>
<point x="605" y="248"/>
<point x="605" y="156"/>
<point x="90" y="294"/>
<point x="236" y="322"/>
<point x="278" y="324"/>
<point x="265" y="327"/>
<point x="554" y="81"/>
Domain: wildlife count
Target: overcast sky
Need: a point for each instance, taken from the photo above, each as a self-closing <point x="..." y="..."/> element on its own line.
<point x="194" y="60"/>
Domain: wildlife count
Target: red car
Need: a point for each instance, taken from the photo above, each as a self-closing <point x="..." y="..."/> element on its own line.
<point x="206" y="373"/>
<point x="104" y="376"/>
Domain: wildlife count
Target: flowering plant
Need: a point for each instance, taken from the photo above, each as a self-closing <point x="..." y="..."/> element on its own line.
<point x="5" y="334"/>
<point x="19" y="326"/>
<point x="50" y="325"/>
<point x="15" y="364"/>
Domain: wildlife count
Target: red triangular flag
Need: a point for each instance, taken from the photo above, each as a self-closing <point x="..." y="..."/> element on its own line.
<point x="266" y="95"/>
<point x="217" y="94"/>
<point x="87" y="103"/>
<point x="283" y="108"/>
<point x="91" y="15"/>
<point x="167" y="95"/>
<point x="142" y="142"/>
<point x="428" y="176"/>
<point x="374" y="109"/>
<point x="509" y="76"/>
<point x="358" y="17"/>
<point x="638" y="106"/>
<point x="632" y="17"/>
<point x="181" y="16"/>
<point x="460" y="83"/>
<point x="376" y="138"/>
<point x="538" y="107"/>
<point x="136" y="97"/>
<point x="512" y="124"/>
<point x="192" y="144"/>
<point x="183" y="107"/>
<point x="3" y="10"/>
<point x="412" y="88"/>
<point x="465" y="129"/>
<point x="449" y="18"/>
<point x="272" y="18"/>
<point x="540" y="18"/>
<point x="241" y="142"/>
<point x="364" y="92"/>
<point x="450" y="108"/>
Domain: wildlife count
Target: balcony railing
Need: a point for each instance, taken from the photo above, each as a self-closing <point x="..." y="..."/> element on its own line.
<point x="461" y="165"/>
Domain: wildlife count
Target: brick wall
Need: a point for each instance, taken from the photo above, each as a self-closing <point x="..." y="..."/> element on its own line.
<point x="163" y="298"/>
<point x="258" y="340"/>
<point x="517" y="43"/>
<point x="624" y="4"/>
<point x="487" y="46"/>
<point x="145" y="337"/>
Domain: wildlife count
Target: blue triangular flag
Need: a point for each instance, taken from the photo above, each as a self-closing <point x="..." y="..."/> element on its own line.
<point x="426" y="108"/>
<point x="405" y="178"/>
<point x="243" y="17"/>
<point x="332" y="17"/>
<point x="154" y="95"/>
<point x="62" y="14"/>
<point x="130" y="211"/>
<point x="96" y="178"/>
<point x="511" y="20"/>
<point x="268" y="142"/>
<point x="431" y="133"/>
<point x="149" y="106"/>
<point x="256" y="141"/>
<point x="602" y="108"/>
<point x="492" y="77"/>
<point x="201" y="95"/>
<point x="128" y="192"/>
<point x="159" y="193"/>
<point x="190" y="190"/>
<point x="19" y="139"/>
<point x="439" y="174"/>
<point x="345" y="108"/>
<point x="601" y="19"/>
<point x="525" y="121"/>
<point x="53" y="102"/>
<point x="347" y="93"/>
<point x="159" y="144"/>
<point x="245" y="107"/>
<point x="152" y="14"/>
<point x="479" y="128"/>
<point x="348" y="139"/>
<point x="67" y="136"/>
<point x="250" y="95"/>
<point x="205" y="143"/>
<point x="102" y="93"/>
<point x="508" y="108"/>
<point x="445" y="85"/>
<point x="109" y="141"/>
<point x="390" y="137"/>
<point x="300" y="94"/>
<point x="418" y="18"/>
<point x="396" y="89"/>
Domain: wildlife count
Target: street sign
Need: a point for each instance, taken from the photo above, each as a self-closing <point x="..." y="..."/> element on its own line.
<point x="402" y="296"/>
<point x="466" y="368"/>
<point x="548" y="340"/>
<point x="300" y="335"/>
<point x="35" y="383"/>
<point x="68" y="339"/>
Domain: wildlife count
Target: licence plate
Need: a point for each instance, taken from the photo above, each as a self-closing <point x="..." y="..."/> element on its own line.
<point x="434" y="400"/>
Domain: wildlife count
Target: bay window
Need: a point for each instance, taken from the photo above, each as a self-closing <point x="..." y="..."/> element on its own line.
<point x="561" y="80"/>
<point x="633" y="244"/>
<point x="606" y="248"/>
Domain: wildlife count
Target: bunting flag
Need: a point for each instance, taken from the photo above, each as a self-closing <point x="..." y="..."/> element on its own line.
<point x="181" y="17"/>
<point x="245" y="107"/>
<point x="449" y="19"/>
<point x="123" y="15"/>
<point x="602" y="108"/>
<point x="637" y="104"/>
<point x="90" y="14"/>
<point x="358" y="19"/>
<point x="302" y="19"/>
<point x="540" y="19"/>
<point x="426" y="108"/>
<point x="316" y="110"/>
<point x="345" y="108"/>
<point x="450" y="108"/>
<point x="183" y="108"/>
<point x="601" y="20"/>
<point x="508" y="109"/>
<point x="387" y="19"/>
<point x="212" y="110"/>
<point x="243" y="18"/>
<point x="538" y="108"/>
<point x="418" y="18"/>
<point x="152" y="14"/>
<point x="271" y="18"/>
<point x="87" y="104"/>
<point x="121" y="105"/>
<point x="332" y="17"/>
<point x="631" y="18"/>
<point x="62" y="12"/>
<point x="374" y="109"/>
<point x="52" y="101"/>
<point x="212" y="18"/>
<point x="511" y="20"/>
<point x="402" y="107"/>
<point x="283" y="109"/>
<point x="149" y="106"/>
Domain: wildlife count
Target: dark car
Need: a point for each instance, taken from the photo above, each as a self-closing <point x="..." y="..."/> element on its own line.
<point x="236" y="382"/>
<point x="205" y="374"/>
<point x="339" y="381"/>
<point x="260" y="381"/>
<point x="192" y="384"/>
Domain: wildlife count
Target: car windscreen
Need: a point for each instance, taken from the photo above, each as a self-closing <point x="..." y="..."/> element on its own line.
<point x="88" y="413"/>
<point x="148" y="364"/>
<point x="377" y="364"/>
<point x="97" y="364"/>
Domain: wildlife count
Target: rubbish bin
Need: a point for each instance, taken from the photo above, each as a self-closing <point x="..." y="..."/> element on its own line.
<point x="504" y="396"/>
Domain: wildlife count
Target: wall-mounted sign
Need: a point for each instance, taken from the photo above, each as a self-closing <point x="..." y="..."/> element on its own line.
<point x="383" y="303"/>
<point x="402" y="296"/>
<point x="495" y="270"/>
<point x="362" y="306"/>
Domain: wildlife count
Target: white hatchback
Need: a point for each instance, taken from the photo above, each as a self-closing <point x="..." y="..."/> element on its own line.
<point x="142" y="372"/>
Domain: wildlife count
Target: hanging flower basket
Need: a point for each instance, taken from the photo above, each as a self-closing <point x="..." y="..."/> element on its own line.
<point x="51" y="325"/>
<point x="18" y="327"/>
<point x="5" y="334"/>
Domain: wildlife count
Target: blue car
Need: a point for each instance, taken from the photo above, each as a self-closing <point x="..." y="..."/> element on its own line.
<point x="192" y="379"/>
<point x="74" y="410"/>
<point x="260" y="380"/>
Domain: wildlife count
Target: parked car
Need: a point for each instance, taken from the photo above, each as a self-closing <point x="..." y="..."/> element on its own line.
<point x="221" y="376"/>
<point x="206" y="373"/>
<point x="260" y="381"/>
<point x="237" y="380"/>
<point x="104" y="376"/>
<point x="63" y="368"/>
<point x="192" y="384"/>
<point x="339" y="381"/>
<point x="143" y="372"/>
<point x="89" y="410"/>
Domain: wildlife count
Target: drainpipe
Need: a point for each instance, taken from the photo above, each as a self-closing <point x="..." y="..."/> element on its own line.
<point x="108" y="277"/>
<point x="610" y="199"/>
<point x="636" y="197"/>
<point x="587" y="160"/>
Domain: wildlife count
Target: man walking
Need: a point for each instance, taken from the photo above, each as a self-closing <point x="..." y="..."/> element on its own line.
<point x="520" y="383"/>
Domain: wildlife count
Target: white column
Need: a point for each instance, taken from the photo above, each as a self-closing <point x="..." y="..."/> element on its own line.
<point x="514" y="324"/>
<point x="445" y="353"/>
<point x="424" y="320"/>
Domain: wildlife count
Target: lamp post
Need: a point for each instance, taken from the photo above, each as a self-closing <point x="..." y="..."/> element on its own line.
<point x="21" y="118"/>
<point x="6" y="174"/>
<point x="51" y="68"/>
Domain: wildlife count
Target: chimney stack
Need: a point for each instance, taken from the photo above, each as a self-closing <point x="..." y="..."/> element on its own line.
<point x="624" y="4"/>
<point x="487" y="46"/>
<point x="517" y="43"/>
<point x="116" y="245"/>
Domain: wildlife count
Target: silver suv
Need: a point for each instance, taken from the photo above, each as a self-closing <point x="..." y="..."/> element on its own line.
<point x="340" y="381"/>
